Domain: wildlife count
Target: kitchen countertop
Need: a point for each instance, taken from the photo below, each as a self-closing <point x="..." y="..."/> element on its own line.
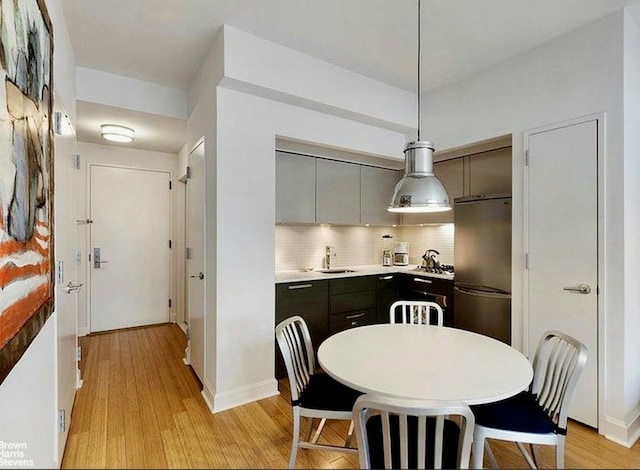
<point x="365" y="270"/>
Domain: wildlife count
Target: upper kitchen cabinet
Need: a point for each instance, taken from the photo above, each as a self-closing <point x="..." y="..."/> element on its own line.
<point x="451" y="175"/>
<point x="377" y="185"/>
<point x="490" y="172"/>
<point x="295" y="188"/>
<point x="337" y="192"/>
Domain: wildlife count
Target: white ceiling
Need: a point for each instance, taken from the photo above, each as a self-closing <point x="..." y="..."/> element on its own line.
<point x="164" y="41"/>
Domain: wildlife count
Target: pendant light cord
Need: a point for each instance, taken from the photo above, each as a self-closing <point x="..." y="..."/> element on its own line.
<point x="419" y="97"/>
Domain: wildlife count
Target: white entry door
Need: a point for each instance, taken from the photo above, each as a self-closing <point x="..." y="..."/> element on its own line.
<point x="195" y="263"/>
<point x="130" y="247"/>
<point x="563" y="246"/>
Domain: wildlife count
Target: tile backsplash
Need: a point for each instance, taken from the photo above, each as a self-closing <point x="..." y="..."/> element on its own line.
<point x="303" y="246"/>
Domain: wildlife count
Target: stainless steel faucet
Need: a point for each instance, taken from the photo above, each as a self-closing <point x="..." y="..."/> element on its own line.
<point x="327" y="256"/>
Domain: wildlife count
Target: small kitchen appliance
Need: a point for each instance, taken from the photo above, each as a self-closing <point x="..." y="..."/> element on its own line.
<point x="400" y="254"/>
<point x="387" y="259"/>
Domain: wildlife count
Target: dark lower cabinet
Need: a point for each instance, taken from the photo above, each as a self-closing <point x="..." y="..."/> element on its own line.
<point x="431" y="289"/>
<point x="352" y="302"/>
<point x="310" y="301"/>
<point x="332" y="305"/>
<point x="386" y="294"/>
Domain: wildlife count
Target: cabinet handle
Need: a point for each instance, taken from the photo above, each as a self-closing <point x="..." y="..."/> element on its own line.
<point x="426" y="281"/>
<point x="357" y="315"/>
<point x="300" y="286"/>
<point x="385" y="278"/>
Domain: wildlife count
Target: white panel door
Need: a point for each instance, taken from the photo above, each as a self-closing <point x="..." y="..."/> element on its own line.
<point x="131" y="213"/>
<point x="563" y="247"/>
<point x="195" y="264"/>
<point x="66" y="290"/>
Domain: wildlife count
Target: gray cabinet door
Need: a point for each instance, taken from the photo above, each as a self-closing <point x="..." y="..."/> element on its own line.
<point x="376" y="189"/>
<point x="490" y="172"/>
<point x="337" y="192"/>
<point x="295" y="188"/>
<point x="451" y="175"/>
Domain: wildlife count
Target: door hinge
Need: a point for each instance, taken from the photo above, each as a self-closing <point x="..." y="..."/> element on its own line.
<point x="526" y="158"/>
<point x="79" y="353"/>
<point x="76" y="161"/>
<point x="169" y="303"/>
<point x="188" y="173"/>
<point x="526" y="261"/>
<point x="169" y="244"/>
<point x="57" y="123"/>
<point x="170" y="185"/>
<point x="188" y="253"/>
<point x="188" y="333"/>
<point x="62" y="425"/>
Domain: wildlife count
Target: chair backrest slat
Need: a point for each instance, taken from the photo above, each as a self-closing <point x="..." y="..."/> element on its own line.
<point x="416" y="312"/>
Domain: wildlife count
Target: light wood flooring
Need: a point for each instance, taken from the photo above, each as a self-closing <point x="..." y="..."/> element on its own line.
<point x="140" y="407"/>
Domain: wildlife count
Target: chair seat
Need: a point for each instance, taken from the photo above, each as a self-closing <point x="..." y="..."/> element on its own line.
<point x="376" y="450"/>
<point x="520" y="413"/>
<point x="325" y="393"/>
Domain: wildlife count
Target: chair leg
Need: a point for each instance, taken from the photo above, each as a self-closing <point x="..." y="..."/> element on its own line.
<point x="316" y="436"/>
<point x="535" y="453"/>
<point x="308" y="428"/>
<point x="530" y="461"/>
<point x="347" y="441"/>
<point x="560" y="453"/>
<point x="295" y="438"/>
<point x="492" y="458"/>
<point x="478" y="451"/>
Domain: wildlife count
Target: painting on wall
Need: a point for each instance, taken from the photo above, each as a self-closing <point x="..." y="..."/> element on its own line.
<point x="26" y="179"/>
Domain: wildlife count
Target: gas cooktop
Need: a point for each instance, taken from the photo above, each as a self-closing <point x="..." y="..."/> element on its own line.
<point x="443" y="269"/>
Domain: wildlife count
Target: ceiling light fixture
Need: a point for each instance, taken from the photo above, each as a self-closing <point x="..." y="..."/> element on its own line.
<point x="419" y="190"/>
<point x="117" y="133"/>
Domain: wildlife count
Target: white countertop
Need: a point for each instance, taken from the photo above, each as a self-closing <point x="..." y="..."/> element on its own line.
<point x="365" y="270"/>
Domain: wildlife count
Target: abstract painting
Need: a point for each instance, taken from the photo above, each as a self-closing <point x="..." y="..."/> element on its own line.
<point x="26" y="179"/>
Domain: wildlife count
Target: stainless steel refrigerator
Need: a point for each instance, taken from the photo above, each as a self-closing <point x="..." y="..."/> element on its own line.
<point x="482" y="254"/>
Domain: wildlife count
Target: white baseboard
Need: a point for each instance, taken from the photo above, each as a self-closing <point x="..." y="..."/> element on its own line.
<point x="83" y="331"/>
<point x="622" y="433"/>
<point x="238" y="396"/>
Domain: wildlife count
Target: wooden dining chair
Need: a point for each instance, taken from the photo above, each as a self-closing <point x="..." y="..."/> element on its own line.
<point x="313" y="395"/>
<point x="416" y="312"/>
<point x="538" y="415"/>
<point x="409" y="433"/>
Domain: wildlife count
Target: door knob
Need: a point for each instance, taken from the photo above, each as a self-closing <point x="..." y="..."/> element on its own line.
<point x="198" y="276"/>
<point x="582" y="289"/>
<point x="71" y="287"/>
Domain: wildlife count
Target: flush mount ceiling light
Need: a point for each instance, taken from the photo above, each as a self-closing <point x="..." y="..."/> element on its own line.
<point x="419" y="190"/>
<point x="117" y="133"/>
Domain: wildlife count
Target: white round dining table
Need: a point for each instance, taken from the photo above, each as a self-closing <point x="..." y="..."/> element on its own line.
<point x="425" y="362"/>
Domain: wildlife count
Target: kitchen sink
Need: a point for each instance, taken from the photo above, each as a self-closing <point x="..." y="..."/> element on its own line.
<point x="336" y="271"/>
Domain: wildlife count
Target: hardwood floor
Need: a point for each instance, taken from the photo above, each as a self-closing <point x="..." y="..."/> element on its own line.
<point x="140" y="407"/>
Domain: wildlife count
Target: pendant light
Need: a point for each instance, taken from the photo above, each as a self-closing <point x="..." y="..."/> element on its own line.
<point x="419" y="190"/>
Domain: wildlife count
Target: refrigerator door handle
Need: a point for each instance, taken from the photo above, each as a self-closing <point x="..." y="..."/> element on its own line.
<point x="491" y="294"/>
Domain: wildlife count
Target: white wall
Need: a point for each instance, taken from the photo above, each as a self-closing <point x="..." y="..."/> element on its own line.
<point x="631" y="223"/>
<point x="29" y="393"/>
<point x="240" y="131"/>
<point x="130" y="158"/>
<point x="577" y="74"/>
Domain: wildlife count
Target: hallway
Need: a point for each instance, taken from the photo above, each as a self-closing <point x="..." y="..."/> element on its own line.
<point x="140" y="407"/>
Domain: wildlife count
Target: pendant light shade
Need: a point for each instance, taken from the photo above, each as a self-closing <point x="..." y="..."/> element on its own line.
<point x="419" y="190"/>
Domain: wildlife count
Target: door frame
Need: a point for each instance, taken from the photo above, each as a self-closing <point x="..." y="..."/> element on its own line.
<point x="88" y="251"/>
<point x="600" y="119"/>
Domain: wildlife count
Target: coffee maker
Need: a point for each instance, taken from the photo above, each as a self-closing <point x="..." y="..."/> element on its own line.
<point x="400" y="254"/>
